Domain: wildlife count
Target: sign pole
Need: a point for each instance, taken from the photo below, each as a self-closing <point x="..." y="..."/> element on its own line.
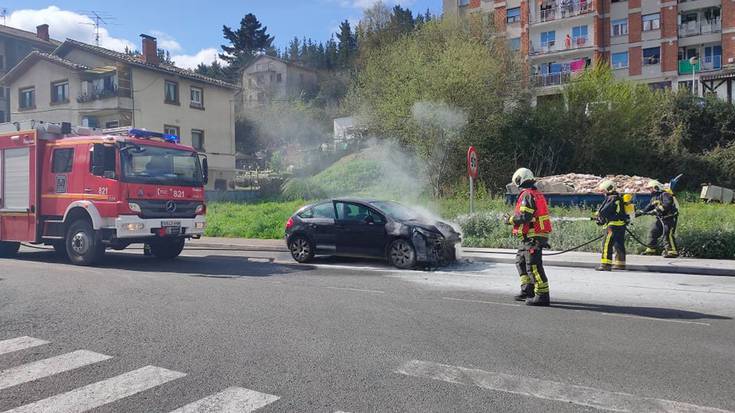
<point x="472" y="195"/>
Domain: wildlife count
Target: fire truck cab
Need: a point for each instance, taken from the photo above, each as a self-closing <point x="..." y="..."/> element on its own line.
<point x="83" y="191"/>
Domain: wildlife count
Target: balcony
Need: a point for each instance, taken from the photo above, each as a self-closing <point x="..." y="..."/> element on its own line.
<point x="705" y="64"/>
<point x="556" y="47"/>
<point x="98" y="94"/>
<point x="563" y="10"/>
<point x="551" y="79"/>
<point x="696" y="28"/>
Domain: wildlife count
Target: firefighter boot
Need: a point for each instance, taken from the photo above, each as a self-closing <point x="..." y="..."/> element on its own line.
<point x="649" y="251"/>
<point x="619" y="266"/>
<point x="526" y="293"/>
<point x="604" y="267"/>
<point x="671" y="254"/>
<point x="539" y="300"/>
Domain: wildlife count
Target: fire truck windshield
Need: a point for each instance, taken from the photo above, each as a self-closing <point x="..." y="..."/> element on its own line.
<point x="145" y="164"/>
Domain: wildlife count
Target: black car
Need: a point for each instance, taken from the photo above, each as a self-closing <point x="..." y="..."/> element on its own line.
<point x="370" y="229"/>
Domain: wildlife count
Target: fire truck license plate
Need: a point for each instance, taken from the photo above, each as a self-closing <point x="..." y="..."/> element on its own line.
<point x="172" y="227"/>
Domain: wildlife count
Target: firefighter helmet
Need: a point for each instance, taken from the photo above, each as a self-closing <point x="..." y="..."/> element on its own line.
<point x="607" y="186"/>
<point x="655" y="185"/>
<point x="522" y="176"/>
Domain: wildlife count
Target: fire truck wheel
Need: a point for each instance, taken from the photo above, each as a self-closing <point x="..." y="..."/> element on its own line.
<point x="167" y="248"/>
<point x="8" y="249"/>
<point x="82" y="244"/>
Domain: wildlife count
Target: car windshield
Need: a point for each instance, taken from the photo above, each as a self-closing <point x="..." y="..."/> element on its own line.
<point x="146" y="164"/>
<point x="397" y="211"/>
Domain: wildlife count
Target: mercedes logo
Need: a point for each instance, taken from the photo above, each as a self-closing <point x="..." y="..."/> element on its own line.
<point x="171" y="206"/>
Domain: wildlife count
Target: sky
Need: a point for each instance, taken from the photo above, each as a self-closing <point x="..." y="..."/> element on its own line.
<point x="190" y="30"/>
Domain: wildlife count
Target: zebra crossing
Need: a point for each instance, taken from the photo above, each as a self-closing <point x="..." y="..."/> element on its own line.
<point x="94" y="395"/>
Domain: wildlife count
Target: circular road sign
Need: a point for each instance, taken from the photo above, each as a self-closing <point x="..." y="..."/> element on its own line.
<point x="472" y="163"/>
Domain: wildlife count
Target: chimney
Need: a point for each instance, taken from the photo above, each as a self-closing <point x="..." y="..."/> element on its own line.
<point x="42" y="32"/>
<point x="150" y="50"/>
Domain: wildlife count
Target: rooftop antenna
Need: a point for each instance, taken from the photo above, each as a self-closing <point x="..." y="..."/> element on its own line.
<point x="4" y="15"/>
<point x="99" y="19"/>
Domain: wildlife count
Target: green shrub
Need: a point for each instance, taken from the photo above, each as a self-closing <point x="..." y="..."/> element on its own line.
<point x="302" y="188"/>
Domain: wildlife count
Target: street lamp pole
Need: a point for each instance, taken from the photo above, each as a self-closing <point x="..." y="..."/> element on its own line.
<point x="693" y="62"/>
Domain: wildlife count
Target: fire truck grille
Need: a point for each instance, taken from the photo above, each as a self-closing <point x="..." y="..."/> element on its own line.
<point x="167" y="208"/>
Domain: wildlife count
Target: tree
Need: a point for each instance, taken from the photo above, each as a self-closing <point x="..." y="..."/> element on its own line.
<point x="165" y="57"/>
<point x="248" y="41"/>
<point x="294" y="50"/>
<point x="347" y="45"/>
<point x="444" y="72"/>
<point x="215" y="70"/>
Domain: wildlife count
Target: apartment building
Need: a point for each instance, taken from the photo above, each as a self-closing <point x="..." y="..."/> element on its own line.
<point x="643" y="40"/>
<point x="16" y="44"/>
<point x="96" y="87"/>
<point x="270" y="79"/>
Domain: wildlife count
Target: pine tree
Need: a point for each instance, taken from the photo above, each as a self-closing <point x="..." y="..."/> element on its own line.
<point x="347" y="47"/>
<point x="249" y="40"/>
<point x="294" y="50"/>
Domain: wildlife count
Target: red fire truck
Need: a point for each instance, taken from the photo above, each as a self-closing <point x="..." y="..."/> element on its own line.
<point x="83" y="190"/>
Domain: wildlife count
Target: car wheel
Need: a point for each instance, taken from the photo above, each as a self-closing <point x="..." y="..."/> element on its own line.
<point x="167" y="248"/>
<point x="82" y="245"/>
<point x="402" y="254"/>
<point x="8" y="249"/>
<point x="302" y="249"/>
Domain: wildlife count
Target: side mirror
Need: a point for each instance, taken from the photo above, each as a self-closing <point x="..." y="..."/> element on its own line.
<point x="205" y="171"/>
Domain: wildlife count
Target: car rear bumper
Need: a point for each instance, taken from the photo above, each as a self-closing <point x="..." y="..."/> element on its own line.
<point x="132" y="226"/>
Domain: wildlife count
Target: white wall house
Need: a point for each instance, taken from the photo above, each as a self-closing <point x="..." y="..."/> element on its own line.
<point x="92" y="86"/>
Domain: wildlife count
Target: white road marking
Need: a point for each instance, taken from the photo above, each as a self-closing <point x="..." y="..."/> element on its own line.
<point x="231" y="400"/>
<point x="103" y="392"/>
<point x="549" y="390"/>
<point x="356" y="290"/>
<point x="480" y="301"/>
<point x="659" y="319"/>
<point x="48" y="367"/>
<point x="20" y="343"/>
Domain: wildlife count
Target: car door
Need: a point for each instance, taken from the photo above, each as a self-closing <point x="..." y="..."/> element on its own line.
<point x="360" y="230"/>
<point x="320" y="224"/>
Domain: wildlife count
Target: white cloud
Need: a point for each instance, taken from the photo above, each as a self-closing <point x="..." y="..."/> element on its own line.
<point x="166" y="41"/>
<point x="206" y="56"/>
<point x="66" y="24"/>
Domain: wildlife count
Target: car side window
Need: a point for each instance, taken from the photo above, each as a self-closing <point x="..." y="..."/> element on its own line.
<point x="307" y="213"/>
<point x="377" y="218"/>
<point x="325" y="210"/>
<point x="357" y="213"/>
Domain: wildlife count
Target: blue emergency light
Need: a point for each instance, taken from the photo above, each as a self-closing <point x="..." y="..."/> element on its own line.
<point x="146" y="134"/>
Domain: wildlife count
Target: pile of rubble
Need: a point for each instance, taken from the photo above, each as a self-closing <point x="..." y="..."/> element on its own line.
<point x="585" y="183"/>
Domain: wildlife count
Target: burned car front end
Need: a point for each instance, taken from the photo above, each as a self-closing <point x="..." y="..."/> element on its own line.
<point x="435" y="244"/>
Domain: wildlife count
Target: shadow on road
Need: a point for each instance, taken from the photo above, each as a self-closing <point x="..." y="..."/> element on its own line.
<point x="205" y="266"/>
<point x="652" y="312"/>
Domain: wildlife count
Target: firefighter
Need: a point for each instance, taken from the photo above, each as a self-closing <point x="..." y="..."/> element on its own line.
<point x="613" y="217"/>
<point x="532" y="225"/>
<point x="665" y="208"/>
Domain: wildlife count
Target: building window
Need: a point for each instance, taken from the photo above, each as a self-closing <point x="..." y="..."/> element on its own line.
<point x="620" y="60"/>
<point x="548" y="39"/>
<point x="513" y="15"/>
<point x="651" y="22"/>
<point x="279" y="77"/>
<point x="651" y="56"/>
<point x="660" y="85"/>
<point x="27" y="98"/>
<point x="2" y="62"/>
<point x="112" y="124"/>
<point x="171" y="90"/>
<point x="60" y="92"/>
<point x="462" y="3"/>
<point x="2" y="116"/>
<point x="62" y="160"/>
<point x="171" y="130"/>
<point x="619" y="27"/>
<point x="514" y="44"/>
<point x="197" y="97"/>
<point x="197" y="139"/>
<point x="579" y="36"/>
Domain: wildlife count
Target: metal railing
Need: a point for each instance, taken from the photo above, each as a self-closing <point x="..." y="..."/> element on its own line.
<point x="98" y="94"/>
<point x="695" y="28"/>
<point x="563" y="10"/>
<point x="551" y="79"/>
<point x="553" y="47"/>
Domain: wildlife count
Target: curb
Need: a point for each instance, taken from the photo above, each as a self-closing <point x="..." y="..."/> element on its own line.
<point x="510" y="259"/>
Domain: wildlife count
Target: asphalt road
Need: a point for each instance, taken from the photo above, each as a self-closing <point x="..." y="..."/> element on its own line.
<point x="216" y="332"/>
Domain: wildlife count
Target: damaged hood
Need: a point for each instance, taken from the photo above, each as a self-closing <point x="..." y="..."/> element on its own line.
<point x="434" y="226"/>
